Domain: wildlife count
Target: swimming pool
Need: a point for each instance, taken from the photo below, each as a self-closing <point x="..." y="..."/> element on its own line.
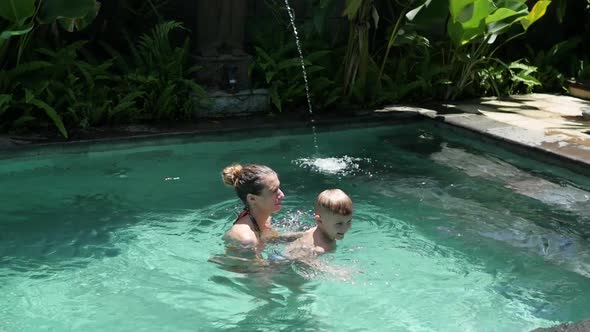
<point x="449" y="234"/>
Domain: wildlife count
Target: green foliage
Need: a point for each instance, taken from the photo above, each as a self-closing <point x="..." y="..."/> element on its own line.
<point x="74" y="92"/>
<point x="5" y="101"/>
<point x="278" y="65"/>
<point x="503" y="79"/>
<point x="557" y="64"/>
<point x="416" y="75"/>
<point x="66" y="89"/>
<point x="474" y="27"/>
<point x="362" y="15"/>
<point x="160" y="72"/>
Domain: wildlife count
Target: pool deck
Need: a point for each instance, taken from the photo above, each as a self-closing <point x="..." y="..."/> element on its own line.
<point x="551" y="124"/>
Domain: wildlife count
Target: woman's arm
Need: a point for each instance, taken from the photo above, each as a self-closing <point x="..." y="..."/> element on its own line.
<point x="283" y="238"/>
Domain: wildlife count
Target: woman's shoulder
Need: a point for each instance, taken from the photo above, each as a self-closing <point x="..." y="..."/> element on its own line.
<point x="241" y="233"/>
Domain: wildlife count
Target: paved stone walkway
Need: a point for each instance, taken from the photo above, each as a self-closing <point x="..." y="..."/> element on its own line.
<point x="550" y="123"/>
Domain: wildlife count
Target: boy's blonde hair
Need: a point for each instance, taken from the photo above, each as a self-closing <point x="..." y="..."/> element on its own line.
<point x="334" y="201"/>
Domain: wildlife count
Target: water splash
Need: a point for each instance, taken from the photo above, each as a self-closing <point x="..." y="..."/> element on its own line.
<point x="334" y="166"/>
<point x="292" y="18"/>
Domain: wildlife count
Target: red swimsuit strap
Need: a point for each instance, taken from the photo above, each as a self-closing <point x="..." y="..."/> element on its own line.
<point x="246" y="212"/>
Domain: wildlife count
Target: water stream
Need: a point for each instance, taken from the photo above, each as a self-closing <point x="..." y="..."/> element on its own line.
<point x="297" y="41"/>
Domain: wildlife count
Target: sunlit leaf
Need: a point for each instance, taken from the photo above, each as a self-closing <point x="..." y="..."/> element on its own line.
<point x="536" y="13"/>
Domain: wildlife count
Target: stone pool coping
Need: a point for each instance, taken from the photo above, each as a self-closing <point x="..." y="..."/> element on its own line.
<point x="554" y="126"/>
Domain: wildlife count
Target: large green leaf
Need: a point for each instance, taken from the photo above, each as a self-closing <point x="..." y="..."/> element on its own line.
<point x="536" y="13"/>
<point x="516" y="5"/>
<point x="457" y="7"/>
<point x="54" y="9"/>
<point x="455" y="31"/>
<point x="481" y="10"/>
<point x="17" y="11"/>
<point x="502" y="14"/>
<point x="527" y="79"/>
<point x="502" y="19"/>
<point x="461" y="35"/>
<point x="72" y="24"/>
<point x="470" y="24"/>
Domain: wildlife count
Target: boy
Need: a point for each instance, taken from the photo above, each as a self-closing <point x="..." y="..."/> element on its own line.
<point x="333" y="217"/>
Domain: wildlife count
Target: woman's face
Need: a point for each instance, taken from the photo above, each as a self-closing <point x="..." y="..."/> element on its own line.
<point x="271" y="197"/>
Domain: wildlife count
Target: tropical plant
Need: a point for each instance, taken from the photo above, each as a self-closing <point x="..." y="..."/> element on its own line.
<point x="416" y="74"/>
<point x="474" y="27"/>
<point x="73" y="93"/>
<point x="283" y="76"/>
<point x="160" y="73"/>
<point x="19" y="20"/>
<point x="502" y="79"/>
<point x="362" y="15"/>
<point x="556" y="64"/>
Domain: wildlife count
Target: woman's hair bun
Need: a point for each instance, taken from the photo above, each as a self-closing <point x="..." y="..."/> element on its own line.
<point x="231" y="174"/>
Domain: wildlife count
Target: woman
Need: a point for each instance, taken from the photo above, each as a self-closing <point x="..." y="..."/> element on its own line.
<point x="258" y="187"/>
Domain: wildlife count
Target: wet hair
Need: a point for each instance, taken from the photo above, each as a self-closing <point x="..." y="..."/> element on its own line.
<point x="334" y="201"/>
<point x="246" y="179"/>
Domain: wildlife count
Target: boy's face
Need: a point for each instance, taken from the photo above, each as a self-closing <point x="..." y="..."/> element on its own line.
<point x="334" y="226"/>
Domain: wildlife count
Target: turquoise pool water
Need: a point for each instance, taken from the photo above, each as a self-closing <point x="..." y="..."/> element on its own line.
<point x="449" y="235"/>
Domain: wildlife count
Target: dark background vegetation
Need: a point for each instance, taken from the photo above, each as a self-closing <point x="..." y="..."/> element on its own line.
<point x="132" y="61"/>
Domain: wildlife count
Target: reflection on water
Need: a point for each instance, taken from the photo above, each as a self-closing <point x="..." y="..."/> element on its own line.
<point x="562" y="195"/>
<point x="470" y="219"/>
